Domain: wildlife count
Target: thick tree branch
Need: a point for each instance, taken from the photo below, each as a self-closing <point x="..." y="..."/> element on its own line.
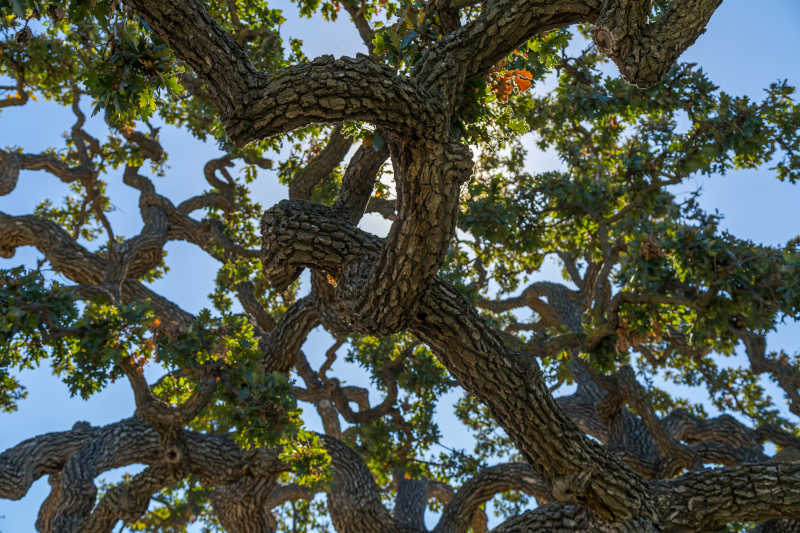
<point x="329" y="90"/>
<point x="241" y="506"/>
<point x="160" y="414"/>
<point x="644" y="51"/>
<point x="284" y="342"/>
<point x="129" y="500"/>
<point x="216" y="58"/>
<point x="353" y="501"/>
<point x="320" y="166"/>
<point x="695" y="501"/>
<point x="501" y="27"/>
<point x="78" y="264"/>
<point x="470" y="350"/>
<point x="254" y="105"/>
<point x="11" y="164"/>
<point x="551" y="517"/>
<point x="359" y="181"/>
<point x="458" y="514"/>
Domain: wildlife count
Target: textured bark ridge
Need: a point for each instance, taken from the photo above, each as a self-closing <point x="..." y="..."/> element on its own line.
<point x="428" y="178"/>
<point x="645" y="50"/>
<point x="509" y="382"/>
<point x="599" y="459"/>
<point x="428" y="173"/>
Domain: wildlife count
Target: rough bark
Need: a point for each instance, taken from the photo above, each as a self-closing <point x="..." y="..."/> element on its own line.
<point x="384" y="286"/>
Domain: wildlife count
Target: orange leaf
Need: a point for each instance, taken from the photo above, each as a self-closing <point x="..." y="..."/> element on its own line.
<point x="523" y="79"/>
<point x="522" y="84"/>
<point x="331" y="279"/>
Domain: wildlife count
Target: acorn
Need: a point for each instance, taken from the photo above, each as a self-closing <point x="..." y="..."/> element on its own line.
<point x="24" y="35"/>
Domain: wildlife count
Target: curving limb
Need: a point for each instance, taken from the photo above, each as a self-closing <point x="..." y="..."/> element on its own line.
<point x="429" y="176"/>
<point x="241" y="506"/>
<point x="459" y="512"/>
<point x="74" y="458"/>
<point x="158" y="413"/>
<point x="755" y="493"/>
<point x="389" y="277"/>
<point x="359" y="181"/>
<point x="12" y="163"/>
<point x="362" y="284"/>
<point x="129" y="501"/>
<point x="522" y="405"/>
<point x="296" y="235"/>
<point x="643" y="49"/>
<point x="534" y="422"/>
<point x="785" y="376"/>
<point x="320" y="166"/>
<point x="23" y="464"/>
<point x="353" y="501"/>
<point x="334" y="90"/>
<point x="77" y="263"/>
<point x="254" y="105"/>
<point x="501" y="27"/>
<point x="284" y="342"/>
<point x="551" y="517"/>
<point x="114" y="447"/>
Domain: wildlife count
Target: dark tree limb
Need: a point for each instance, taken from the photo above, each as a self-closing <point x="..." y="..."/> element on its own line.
<point x="359" y="181"/>
<point x="78" y="264"/>
<point x="128" y="501"/>
<point x="284" y="342"/>
<point x="11" y="164"/>
<point x="320" y="166"/>
<point x="241" y="506"/>
<point x="353" y="500"/>
<point x="255" y="105"/>
<point x="471" y="350"/>
<point x="644" y="51"/>
<point x="460" y="510"/>
<point x="695" y="501"/>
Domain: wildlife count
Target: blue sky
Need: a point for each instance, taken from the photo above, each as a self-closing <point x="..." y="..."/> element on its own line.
<point x="747" y="46"/>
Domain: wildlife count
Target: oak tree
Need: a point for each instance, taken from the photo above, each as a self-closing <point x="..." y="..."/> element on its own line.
<point x="565" y="382"/>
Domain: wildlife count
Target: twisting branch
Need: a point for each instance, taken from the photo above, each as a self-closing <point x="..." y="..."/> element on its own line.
<point x="755" y="493"/>
<point x="562" y="307"/>
<point x="320" y="166"/>
<point x="158" y="413"/>
<point x="109" y="450"/>
<point x="11" y="164"/>
<point x="459" y="512"/>
<point x="787" y="377"/>
<point x="318" y="389"/>
<point x="547" y="439"/>
<point x="354" y="505"/>
<point x="254" y="105"/>
<point x="623" y="387"/>
<point x="335" y="90"/>
<point x="551" y="517"/>
<point x="359" y="181"/>
<point x="284" y="342"/>
<point x="645" y="50"/>
<point x="128" y="501"/>
<point x="78" y="264"/>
